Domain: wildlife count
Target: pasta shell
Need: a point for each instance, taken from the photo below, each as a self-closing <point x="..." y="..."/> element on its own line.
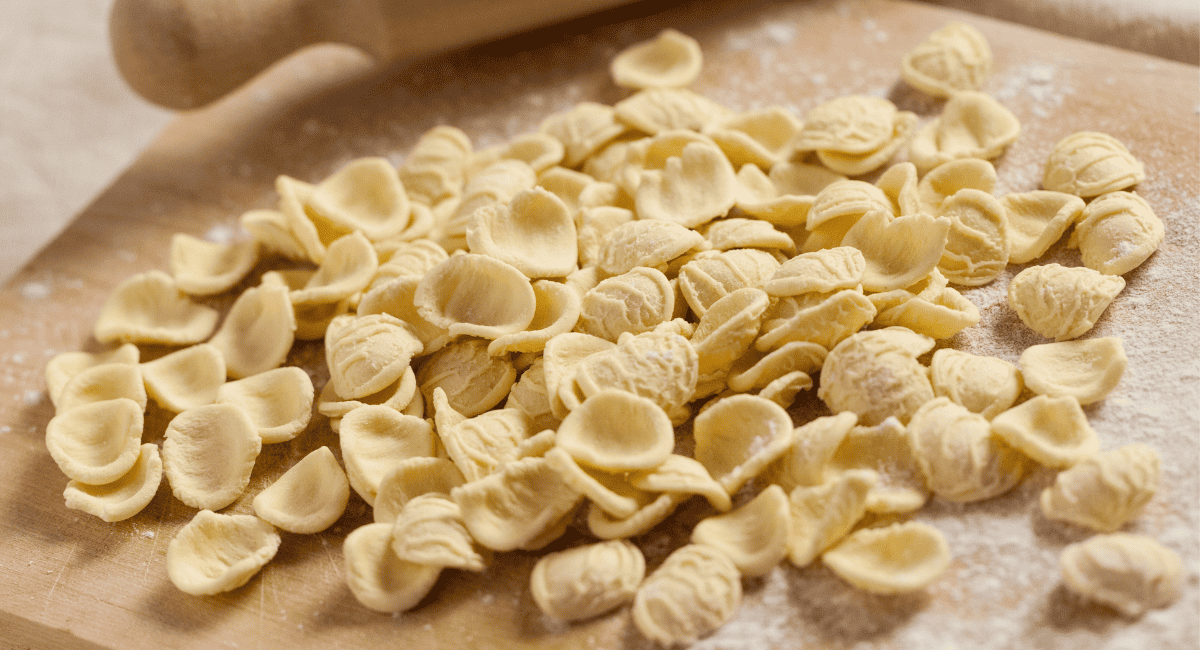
<point x="96" y="443"/>
<point x="208" y="454"/>
<point x="480" y="445"/>
<point x="899" y="184"/>
<point x="952" y="59"/>
<point x="395" y="298"/>
<point x="583" y="130"/>
<point x="1060" y="302"/>
<point x="898" y="252"/>
<point x="655" y="110"/>
<point x="203" y="268"/>
<point x="984" y="385"/>
<point x="817" y="318"/>
<point x="1104" y="491"/>
<point x="215" y="553"/>
<point x="347" y="268"/>
<point x="375" y="439"/>
<point x="705" y="280"/>
<point x="692" y="189"/>
<point x="763" y="369"/>
<point x="1117" y="232"/>
<point x="103" y="382"/>
<point x="607" y="490"/>
<point x="538" y="150"/>
<point x="884" y="449"/>
<point x="682" y="475"/>
<point x="977" y="243"/>
<point x="429" y="530"/>
<point x="634" y="302"/>
<point x="63" y="367"/>
<point x="754" y="536"/>
<point x="761" y="137"/>
<point x="1087" y="370"/>
<point x="724" y="334"/>
<point x="307" y="498"/>
<point x="895" y="559"/>
<point x="559" y="308"/>
<point x="279" y="402"/>
<point x="1051" y="430"/>
<point x="186" y="378"/>
<point x="854" y="124"/>
<point x="270" y="229"/>
<point x="617" y="431"/>
<point x="1036" y="220"/>
<point x="473" y="380"/>
<point x="821" y="271"/>
<point x="475" y="295"/>
<point x="496" y="183"/>
<point x="960" y="458"/>
<point x="258" y="332"/>
<point x="533" y="233"/>
<point x="728" y="234"/>
<point x="670" y="60"/>
<point x="511" y="508"/>
<point x="652" y="510"/>
<point x="972" y="125"/>
<point x="856" y="164"/>
<point x="739" y="436"/>
<point x="150" y="308"/>
<point x="365" y="196"/>
<point x="1130" y="573"/>
<point x="876" y="375"/>
<point x="805" y="463"/>
<point x="1089" y="164"/>
<point x="124" y="497"/>
<point x="378" y="579"/>
<point x="823" y="514"/>
<point x="946" y="180"/>
<point x="367" y="353"/>
<point x="647" y="243"/>
<point x="693" y="592"/>
<point x="413" y="477"/>
<point x="587" y="581"/>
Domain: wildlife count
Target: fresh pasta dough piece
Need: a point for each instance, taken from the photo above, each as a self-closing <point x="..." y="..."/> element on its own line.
<point x="365" y="196"/>
<point x="258" y="332"/>
<point x="895" y="559"/>
<point x="617" y="431"/>
<point x="972" y="125"/>
<point x="578" y="191"/>
<point x="429" y="530"/>
<point x="312" y="230"/>
<point x="960" y="458"/>
<point x="682" y="475"/>
<point x="1117" y="232"/>
<point x="103" y="382"/>
<point x="1104" y="491"/>
<point x="899" y="185"/>
<point x="1059" y="302"/>
<point x="692" y="189"/>
<point x="846" y="199"/>
<point x="308" y="497"/>
<point x="898" y="252"/>
<point x="805" y="463"/>
<point x="63" y="367"/>
<point x="395" y="298"/>
<point x="349" y="264"/>
<point x="513" y="507"/>
<point x="952" y="59"/>
<point x="595" y="225"/>
<point x="124" y="497"/>
<point x="480" y="445"/>
<point x="215" y="553"/>
<point x="707" y="278"/>
<point x="939" y="316"/>
<point x="374" y="439"/>
<point x="854" y="124"/>
<point x="497" y="182"/>
<point x="650" y="243"/>
<point x="150" y="308"/>
<point x="1129" y="573"/>
<point x="757" y="195"/>
<point x="762" y="138"/>
<point x="855" y="164"/>
<point x="1051" y="430"/>
<point x="559" y="308"/>
<point x="1036" y="220"/>
<point x="634" y="302"/>
<point x="531" y="395"/>
<point x="823" y="319"/>
<point x="203" y="268"/>
<point x="884" y="449"/>
<point x="1087" y="370"/>
<point x="670" y="60"/>
<point x="724" y="334"/>
<point x="733" y="233"/>
<point x="1089" y="164"/>
<point x="413" y="477"/>
<point x="653" y="509"/>
<point x="583" y="130"/>
<point x="279" y="402"/>
<point x="875" y="374"/>
<point x="948" y="179"/>
<point x="821" y="515"/>
<point x="754" y="536"/>
<point x="96" y="443"/>
<point x="366" y="354"/>
<point x="821" y="271"/>
<point x="476" y="295"/>
<point x="693" y="592"/>
<point x="738" y="436"/>
<point x="540" y="151"/>
<point x="208" y="454"/>
<point x="534" y="233"/>
<point x="984" y="385"/>
<point x="977" y="244"/>
<point x="607" y="490"/>
<point x="433" y="170"/>
<point x="270" y="230"/>
<point x="655" y="110"/>
<point x="414" y="258"/>
<point x="756" y="370"/>
<point x="186" y="378"/>
<point x="473" y="380"/>
<point x="586" y="581"/>
<point x="377" y="578"/>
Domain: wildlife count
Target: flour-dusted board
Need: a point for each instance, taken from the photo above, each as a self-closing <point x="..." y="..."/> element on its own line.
<point x="68" y="580"/>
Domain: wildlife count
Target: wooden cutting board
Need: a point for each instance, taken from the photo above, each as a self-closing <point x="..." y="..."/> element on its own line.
<point x="68" y="580"/>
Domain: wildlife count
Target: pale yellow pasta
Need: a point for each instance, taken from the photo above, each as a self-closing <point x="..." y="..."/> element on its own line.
<point x="801" y="179"/>
<point x="583" y="130"/>
<point x="515" y="506"/>
<point x="559" y="308"/>
<point x="617" y="431"/>
<point x="150" y="308"/>
<point x="203" y="268"/>
<point x="493" y="184"/>
<point x="885" y="450"/>
<point x="711" y="276"/>
<point x="757" y="195"/>
<point x="1087" y="370"/>
<point x="634" y="302"/>
<point x="1036" y="220"/>
<point x="650" y="243"/>
<point x="1051" y="430"/>
<point x="186" y="378"/>
<point x="738" y="436"/>
<point x="754" y="536"/>
<point x="433" y="170"/>
<point x="733" y="233"/>
<point x="898" y="252"/>
<point x="63" y="367"/>
<point x="270" y="230"/>
<point x="410" y="478"/>
<point x="851" y="124"/>
<point x="377" y="578"/>
<point x="972" y="125"/>
<point x="586" y="581"/>
<point x="310" y="229"/>
<point x="823" y="319"/>
<point x="308" y="497"/>
<point x="895" y="559"/>
<point x="805" y="463"/>
<point x="655" y="110"/>
<point x="947" y="179"/>
<point x="578" y="191"/>
<point x="103" y="382"/>
<point x="473" y="380"/>
<point x="279" y="402"/>
<point x="1104" y="491"/>
<point x="855" y="164"/>
<point x="848" y="200"/>
<point x="724" y="334"/>
<point x="876" y="375"/>
<point x="258" y="331"/>
<point x="762" y="137"/>
<point x="429" y="530"/>
<point x="756" y="370"/>
<point x="476" y="295"/>
<point x="960" y="458"/>
<point x="215" y="553"/>
<point x="821" y="515"/>
<point x="124" y="497"/>
<point x="818" y="272"/>
<point x="397" y="395"/>
<point x="670" y="60"/>
<point x="365" y="196"/>
<point x="1089" y="164"/>
<point x="899" y="185"/>
<point x="365" y="354"/>
<point x="540" y="151"/>
<point x="96" y="443"/>
<point x="208" y="454"/>
<point x="537" y="445"/>
<point x="682" y="475"/>
<point x="952" y="59"/>
<point x="984" y="385"/>
<point x="1129" y="573"/>
<point x="374" y="439"/>
<point x="693" y="592"/>
<point x="1117" y="232"/>
<point x="349" y="265"/>
<point x="652" y="510"/>
<point x="531" y="395"/>
<point x="1059" y="302"/>
<point x="395" y="298"/>
<point x="693" y="188"/>
<point x="480" y="445"/>
<point x="977" y="244"/>
<point x="534" y="233"/>
<point x="414" y="257"/>
<point x="609" y="491"/>
<point x="939" y="316"/>
<point x="595" y="224"/>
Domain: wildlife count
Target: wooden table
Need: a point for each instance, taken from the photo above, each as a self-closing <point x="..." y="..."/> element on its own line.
<point x="68" y="580"/>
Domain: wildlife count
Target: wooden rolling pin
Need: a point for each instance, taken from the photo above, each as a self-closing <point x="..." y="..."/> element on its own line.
<point x="184" y="54"/>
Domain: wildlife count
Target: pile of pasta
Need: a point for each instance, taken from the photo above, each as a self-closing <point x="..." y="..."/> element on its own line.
<point x="591" y="324"/>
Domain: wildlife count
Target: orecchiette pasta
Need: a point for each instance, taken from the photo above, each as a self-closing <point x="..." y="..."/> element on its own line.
<point x="1087" y="370"/>
<point x="587" y="581"/>
<point x="1106" y="490"/>
<point x="1117" y="232"/>
<point x="1130" y="573"/>
<point x="1060" y="302"/>
<point x="208" y="454"/>
<point x="671" y="60"/>
<point x="954" y="58"/>
<point x="215" y="553"/>
<point x="1089" y="164"/>
<point x="895" y="559"/>
<point x="691" y="594"/>
<point x="754" y="536"/>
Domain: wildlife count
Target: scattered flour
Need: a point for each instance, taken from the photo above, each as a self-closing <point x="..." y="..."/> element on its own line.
<point x="35" y="291"/>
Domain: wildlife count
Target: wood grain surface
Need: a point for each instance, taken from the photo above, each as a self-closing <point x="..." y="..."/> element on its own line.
<point x="69" y="580"/>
